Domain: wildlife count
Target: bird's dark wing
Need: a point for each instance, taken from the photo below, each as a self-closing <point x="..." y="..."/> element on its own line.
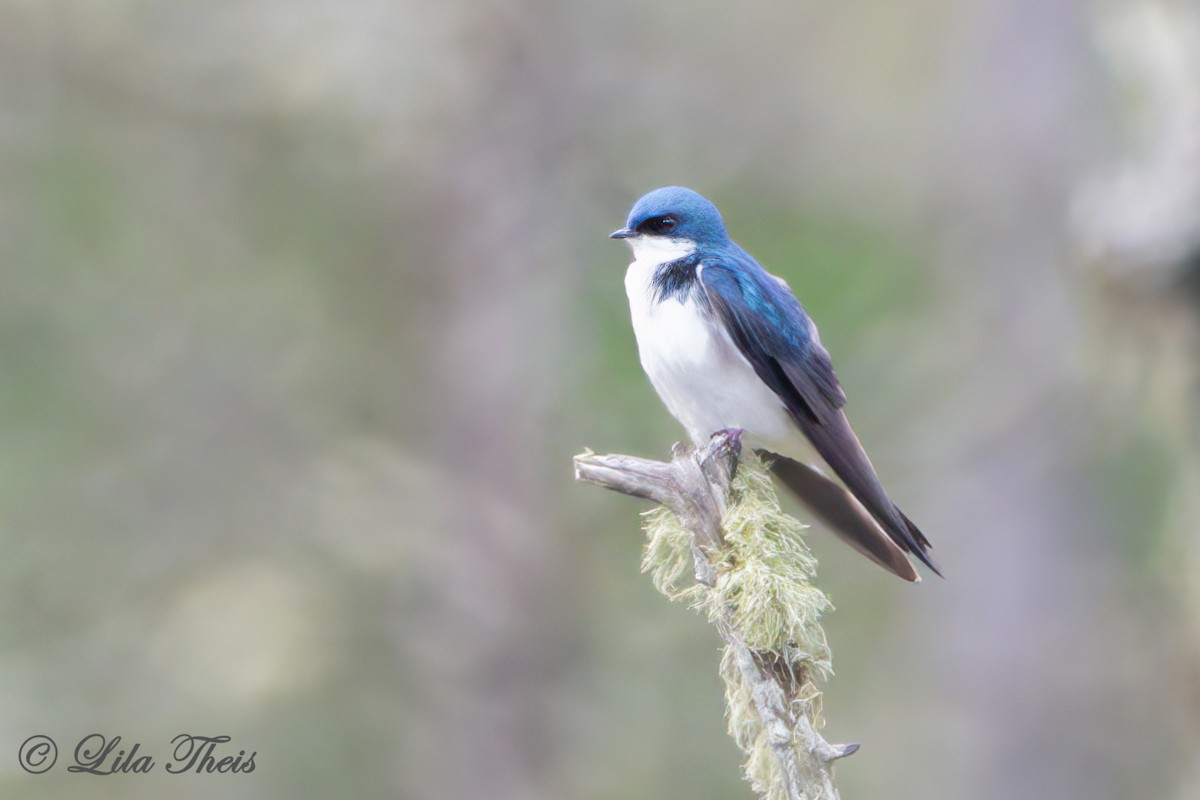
<point x="771" y="329"/>
<point x="833" y="504"/>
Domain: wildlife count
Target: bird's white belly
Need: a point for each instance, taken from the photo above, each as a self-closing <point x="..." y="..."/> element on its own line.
<point x="697" y="370"/>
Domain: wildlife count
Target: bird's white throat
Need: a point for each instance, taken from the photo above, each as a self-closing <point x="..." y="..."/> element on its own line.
<point x="658" y="249"/>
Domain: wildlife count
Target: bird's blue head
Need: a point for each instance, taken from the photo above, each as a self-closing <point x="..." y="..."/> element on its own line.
<point x="674" y="213"/>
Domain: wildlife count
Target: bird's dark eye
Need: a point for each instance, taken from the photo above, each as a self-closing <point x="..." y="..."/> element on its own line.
<point x="659" y="226"/>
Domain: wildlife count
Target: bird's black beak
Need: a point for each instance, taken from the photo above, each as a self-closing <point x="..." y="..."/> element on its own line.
<point x="624" y="233"/>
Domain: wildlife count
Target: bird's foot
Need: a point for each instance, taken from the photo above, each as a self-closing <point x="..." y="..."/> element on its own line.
<point x="732" y="435"/>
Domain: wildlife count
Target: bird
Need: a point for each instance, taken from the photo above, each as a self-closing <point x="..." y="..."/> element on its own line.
<point x="727" y="345"/>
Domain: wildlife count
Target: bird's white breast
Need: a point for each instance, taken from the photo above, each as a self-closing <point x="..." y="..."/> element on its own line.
<point x="693" y="364"/>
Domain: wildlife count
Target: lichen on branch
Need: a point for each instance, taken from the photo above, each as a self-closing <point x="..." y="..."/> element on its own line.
<point x="763" y="591"/>
<point x="752" y="578"/>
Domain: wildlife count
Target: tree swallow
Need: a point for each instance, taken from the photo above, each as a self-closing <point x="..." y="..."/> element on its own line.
<point x="727" y="345"/>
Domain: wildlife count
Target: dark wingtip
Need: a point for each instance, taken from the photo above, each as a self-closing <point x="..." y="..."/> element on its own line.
<point x="921" y="550"/>
<point x="842" y="514"/>
<point x="927" y="561"/>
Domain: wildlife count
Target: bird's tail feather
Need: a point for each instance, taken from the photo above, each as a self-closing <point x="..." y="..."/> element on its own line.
<point x="835" y="506"/>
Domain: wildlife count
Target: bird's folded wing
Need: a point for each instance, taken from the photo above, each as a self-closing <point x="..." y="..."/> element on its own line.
<point x="844" y="515"/>
<point x="771" y="330"/>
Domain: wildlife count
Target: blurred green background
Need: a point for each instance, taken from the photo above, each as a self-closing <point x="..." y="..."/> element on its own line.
<point x="306" y="305"/>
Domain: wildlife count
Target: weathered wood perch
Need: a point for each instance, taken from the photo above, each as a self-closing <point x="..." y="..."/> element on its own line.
<point x="695" y="485"/>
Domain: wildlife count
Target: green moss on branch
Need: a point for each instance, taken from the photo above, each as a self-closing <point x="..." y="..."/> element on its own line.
<point x="763" y="594"/>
